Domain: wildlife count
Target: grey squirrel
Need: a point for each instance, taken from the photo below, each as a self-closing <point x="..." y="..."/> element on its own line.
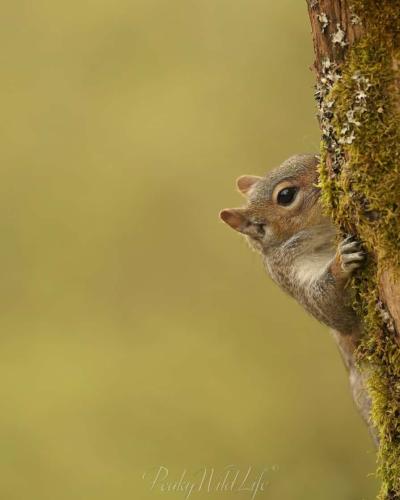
<point x="283" y="220"/>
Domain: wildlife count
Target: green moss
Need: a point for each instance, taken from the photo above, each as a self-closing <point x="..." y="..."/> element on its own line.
<point x="360" y="180"/>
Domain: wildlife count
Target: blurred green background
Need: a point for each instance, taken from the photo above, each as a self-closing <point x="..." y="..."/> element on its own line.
<point x="136" y="329"/>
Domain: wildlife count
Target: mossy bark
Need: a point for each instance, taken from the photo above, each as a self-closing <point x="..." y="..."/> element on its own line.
<point x="357" y="48"/>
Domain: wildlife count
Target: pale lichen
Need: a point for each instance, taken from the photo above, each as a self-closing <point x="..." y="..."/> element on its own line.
<point x="338" y="38"/>
<point x="324" y="21"/>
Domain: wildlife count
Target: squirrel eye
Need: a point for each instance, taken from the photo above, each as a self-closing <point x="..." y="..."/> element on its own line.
<point x="286" y="196"/>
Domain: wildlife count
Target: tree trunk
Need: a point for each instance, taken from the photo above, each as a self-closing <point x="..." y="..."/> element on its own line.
<point x="357" y="51"/>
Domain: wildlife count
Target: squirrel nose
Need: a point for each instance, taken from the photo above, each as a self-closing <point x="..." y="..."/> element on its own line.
<point x="233" y="217"/>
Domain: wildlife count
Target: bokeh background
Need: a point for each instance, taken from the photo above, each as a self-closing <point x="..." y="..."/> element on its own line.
<point x="136" y="329"/>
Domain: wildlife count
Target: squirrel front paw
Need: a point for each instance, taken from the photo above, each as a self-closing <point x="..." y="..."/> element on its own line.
<point x="350" y="255"/>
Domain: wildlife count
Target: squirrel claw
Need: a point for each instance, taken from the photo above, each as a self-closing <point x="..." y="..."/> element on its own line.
<point x="351" y="254"/>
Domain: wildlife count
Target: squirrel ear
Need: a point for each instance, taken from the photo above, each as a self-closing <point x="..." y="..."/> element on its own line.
<point x="246" y="182"/>
<point x="234" y="217"/>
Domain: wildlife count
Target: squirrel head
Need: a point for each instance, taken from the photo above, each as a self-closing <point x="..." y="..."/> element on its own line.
<point x="279" y="205"/>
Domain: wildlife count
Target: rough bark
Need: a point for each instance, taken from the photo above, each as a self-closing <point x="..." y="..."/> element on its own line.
<point x="357" y="56"/>
<point x="337" y="14"/>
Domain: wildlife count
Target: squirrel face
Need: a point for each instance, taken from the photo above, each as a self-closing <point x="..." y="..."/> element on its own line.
<point x="279" y="205"/>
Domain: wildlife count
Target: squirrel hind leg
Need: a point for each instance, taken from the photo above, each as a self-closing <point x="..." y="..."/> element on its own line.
<point x="358" y="383"/>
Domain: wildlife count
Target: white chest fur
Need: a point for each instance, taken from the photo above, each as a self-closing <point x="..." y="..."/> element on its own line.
<point x="311" y="267"/>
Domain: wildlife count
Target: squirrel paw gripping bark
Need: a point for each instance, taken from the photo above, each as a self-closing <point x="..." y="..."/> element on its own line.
<point x="350" y="255"/>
